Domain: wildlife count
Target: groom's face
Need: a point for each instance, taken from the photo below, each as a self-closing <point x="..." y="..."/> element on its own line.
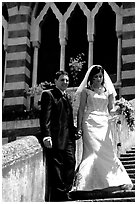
<point x="62" y="82"/>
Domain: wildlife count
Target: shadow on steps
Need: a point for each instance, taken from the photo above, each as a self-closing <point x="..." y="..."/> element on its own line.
<point x="100" y="194"/>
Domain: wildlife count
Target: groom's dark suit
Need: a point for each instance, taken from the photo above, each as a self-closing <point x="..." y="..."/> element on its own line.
<point x="56" y="121"/>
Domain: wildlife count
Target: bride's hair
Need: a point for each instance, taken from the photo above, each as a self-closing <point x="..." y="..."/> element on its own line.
<point x="93" y="72"/>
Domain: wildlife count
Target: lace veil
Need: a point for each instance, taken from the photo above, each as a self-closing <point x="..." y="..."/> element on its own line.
<point x="107" y="84"/>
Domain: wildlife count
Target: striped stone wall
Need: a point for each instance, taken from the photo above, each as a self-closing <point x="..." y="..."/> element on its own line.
<point x="128" y="51"/>
<point x="18" y="56"/>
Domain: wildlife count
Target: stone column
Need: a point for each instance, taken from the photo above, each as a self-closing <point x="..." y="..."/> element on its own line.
<point x="119" y="48"/>
<point x="90" y="34"/>
<point x="4" y="80"/>
<point x="18" y="58"/>
<point x="62" y="37"/>
<point x="36" y="45"/>
<point x="62" y="54"/>
<point x="90" y="52"/>
<point x="5" y="40"/>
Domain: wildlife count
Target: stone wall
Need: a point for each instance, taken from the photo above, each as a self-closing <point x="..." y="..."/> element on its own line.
<point x="128" y="51"/>
<point x="23" y="171"/>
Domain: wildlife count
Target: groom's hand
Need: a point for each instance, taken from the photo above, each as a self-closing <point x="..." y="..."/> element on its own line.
<point x="78" y="134"/>
<point x="47" y="142"/>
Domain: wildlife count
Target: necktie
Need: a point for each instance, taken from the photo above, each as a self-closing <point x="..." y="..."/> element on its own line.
<point x="65" y="95"/>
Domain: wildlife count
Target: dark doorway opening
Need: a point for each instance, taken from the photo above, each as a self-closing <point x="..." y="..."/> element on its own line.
<point x="105" y="42"/>
<point x="49" y="51"/>
<point x="77" y="40"/>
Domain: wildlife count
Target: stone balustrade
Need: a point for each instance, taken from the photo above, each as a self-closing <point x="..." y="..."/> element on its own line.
<point x="23" y="171"/>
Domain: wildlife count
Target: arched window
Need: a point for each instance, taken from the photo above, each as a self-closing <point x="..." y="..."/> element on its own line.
<point x="105" y="41"/>
<point x="49" y="51"/>
<point x="66" y="30"/>
<point x="77" y="40"/>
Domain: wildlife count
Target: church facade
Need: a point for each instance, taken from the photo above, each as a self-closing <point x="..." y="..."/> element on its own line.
<point x="39" y="38"/>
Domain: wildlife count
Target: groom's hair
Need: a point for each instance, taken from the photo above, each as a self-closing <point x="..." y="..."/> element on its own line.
<point x="59" y="73"/>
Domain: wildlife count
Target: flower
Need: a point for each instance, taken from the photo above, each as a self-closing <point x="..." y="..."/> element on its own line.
<point x="38" y="88"/>
<point x="125" y="108"/>
<point x="76" y="64"/>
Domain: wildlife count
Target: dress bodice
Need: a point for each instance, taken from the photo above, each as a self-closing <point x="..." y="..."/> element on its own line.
<point x="97" y="103"/>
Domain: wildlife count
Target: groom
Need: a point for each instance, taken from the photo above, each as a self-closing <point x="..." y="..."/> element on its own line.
<point x="58" y="138"/>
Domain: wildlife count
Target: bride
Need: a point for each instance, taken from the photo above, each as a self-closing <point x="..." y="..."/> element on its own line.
<point x="100" y="167"/>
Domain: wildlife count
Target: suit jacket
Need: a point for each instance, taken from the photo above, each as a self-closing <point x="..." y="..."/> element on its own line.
<point x="56" y="118"/>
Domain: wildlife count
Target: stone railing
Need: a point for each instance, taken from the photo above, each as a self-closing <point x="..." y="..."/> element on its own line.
<point x="23" y="171"/>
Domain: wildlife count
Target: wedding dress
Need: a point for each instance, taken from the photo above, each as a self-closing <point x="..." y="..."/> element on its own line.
<point x="100" y="167"/>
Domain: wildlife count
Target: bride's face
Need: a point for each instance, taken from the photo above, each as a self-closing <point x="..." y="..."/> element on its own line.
<point x="98" y="78"/>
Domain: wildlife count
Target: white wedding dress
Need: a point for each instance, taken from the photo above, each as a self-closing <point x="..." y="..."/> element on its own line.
<point x="100" y="167"/>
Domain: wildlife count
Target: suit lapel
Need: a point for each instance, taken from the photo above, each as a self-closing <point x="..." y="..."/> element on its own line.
<point x="58" y="95"/>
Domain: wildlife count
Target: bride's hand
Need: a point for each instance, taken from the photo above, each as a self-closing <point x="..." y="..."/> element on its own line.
<point x="113" y="116"/>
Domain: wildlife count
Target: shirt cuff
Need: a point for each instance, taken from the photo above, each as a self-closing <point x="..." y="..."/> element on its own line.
<point x="46" y="138"/>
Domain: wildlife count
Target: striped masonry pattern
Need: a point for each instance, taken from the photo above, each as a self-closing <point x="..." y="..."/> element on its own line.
<point x="18" y="56"/>
<point x="128" y="51"/>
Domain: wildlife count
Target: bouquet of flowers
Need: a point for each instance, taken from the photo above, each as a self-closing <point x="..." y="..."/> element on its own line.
<point x="125" y="108"/>
<point x="76" y="64"/>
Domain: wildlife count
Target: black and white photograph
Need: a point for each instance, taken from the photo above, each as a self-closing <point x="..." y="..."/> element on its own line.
<point x="68" y="101"/>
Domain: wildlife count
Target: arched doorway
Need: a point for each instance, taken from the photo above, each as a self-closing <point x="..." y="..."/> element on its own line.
<point x="77" y="40"/>
<point x="104" y="45"/>
<point x="105" y="42"/>
<point x="49" y="51"/>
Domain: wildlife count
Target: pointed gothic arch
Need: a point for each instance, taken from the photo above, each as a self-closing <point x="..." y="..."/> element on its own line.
<point x="49" y="50"/>
<point x="77" y="42"/>
<point x="105" y="42"/>
<point x="90" y="38"/>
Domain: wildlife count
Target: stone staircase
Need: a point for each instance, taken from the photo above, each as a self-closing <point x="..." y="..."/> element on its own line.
<point x="128" y="160"/>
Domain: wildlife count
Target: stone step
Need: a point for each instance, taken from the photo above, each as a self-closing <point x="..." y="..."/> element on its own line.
<point x="127" y="158"/>
<point x="113" y="200"/>
<point x="100" y="194"/>
<point x="132" y="176"/>
<point x="133" y="186"/>
<point x="128" y="162"/>
<point x="130" y="151"/>
<point x="129" y="166"/>
<point x="128" y="155"/>
<point x="130" y="171"/>
<point x="133" y="180"/>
